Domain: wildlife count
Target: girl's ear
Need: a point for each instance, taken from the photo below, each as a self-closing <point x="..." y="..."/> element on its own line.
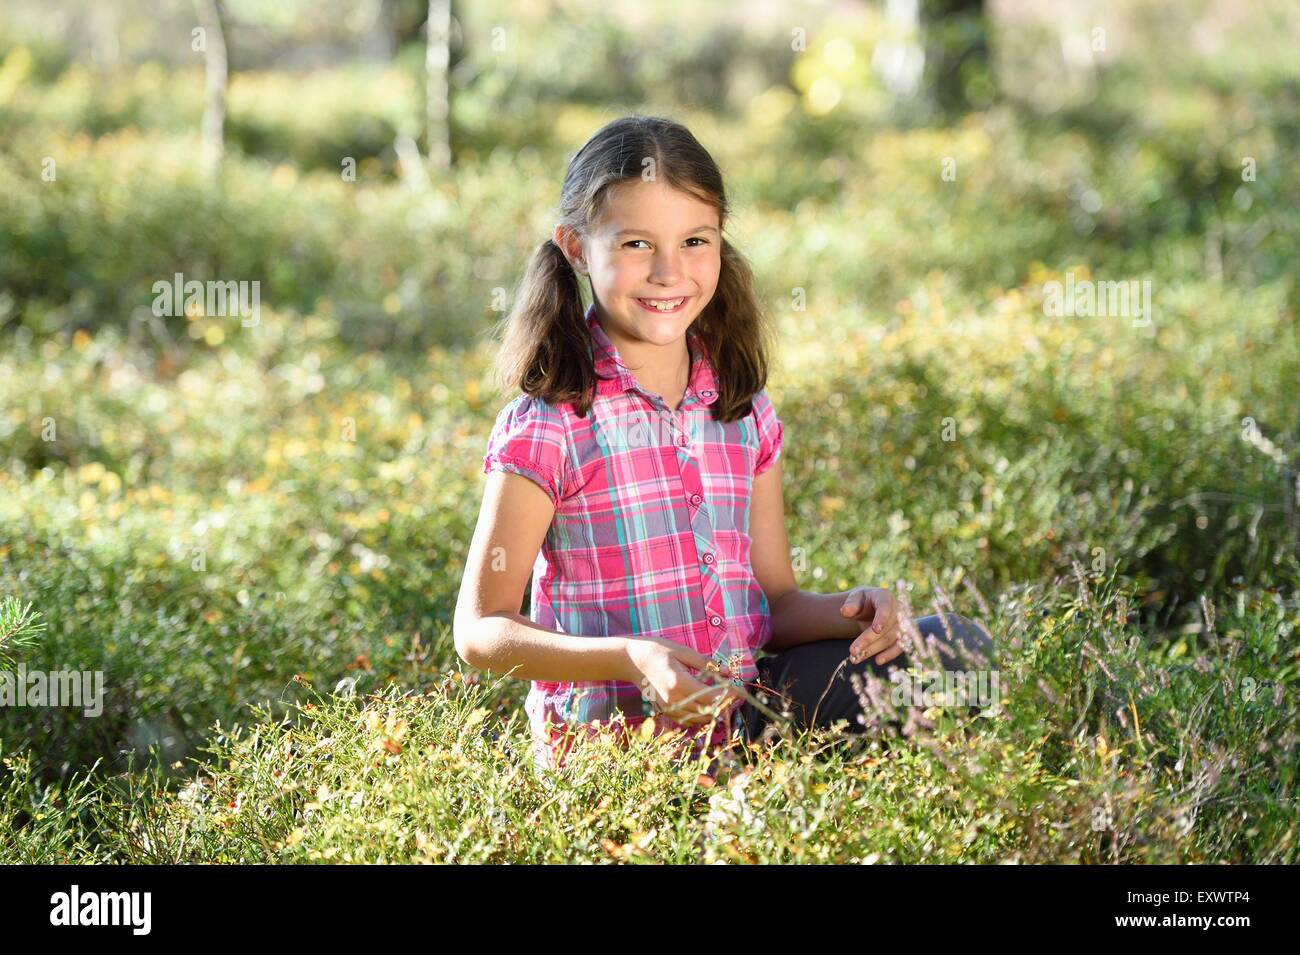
<point x="571" y="245"/>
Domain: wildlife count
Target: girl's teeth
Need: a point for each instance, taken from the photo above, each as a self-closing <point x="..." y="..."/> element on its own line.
<point x="664" y="306"/>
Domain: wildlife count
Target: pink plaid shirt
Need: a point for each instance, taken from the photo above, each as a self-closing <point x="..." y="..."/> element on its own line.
<point x="650" y="532"/>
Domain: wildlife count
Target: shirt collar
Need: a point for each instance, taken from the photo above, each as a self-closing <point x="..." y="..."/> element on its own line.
<point x="614" y="377"/>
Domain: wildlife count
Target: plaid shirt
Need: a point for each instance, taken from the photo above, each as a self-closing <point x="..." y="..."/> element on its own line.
<point x="650" y="532"/>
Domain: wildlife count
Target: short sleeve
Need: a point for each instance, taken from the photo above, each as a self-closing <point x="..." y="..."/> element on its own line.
<point x="528" y="438"/>
<point x="771" y="433"/>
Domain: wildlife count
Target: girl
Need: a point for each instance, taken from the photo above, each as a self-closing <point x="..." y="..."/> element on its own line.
<point x="638" y="478"/>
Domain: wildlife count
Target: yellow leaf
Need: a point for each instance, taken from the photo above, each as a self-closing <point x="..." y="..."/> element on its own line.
<point x="829" y="505"/>
<point x="91" y="473"/>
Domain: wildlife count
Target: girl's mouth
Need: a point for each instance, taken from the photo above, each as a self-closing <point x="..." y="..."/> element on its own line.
<point x="663" y="306"/>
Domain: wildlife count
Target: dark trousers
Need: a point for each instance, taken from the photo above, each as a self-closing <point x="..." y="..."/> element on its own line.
<point x="815" y="681"/>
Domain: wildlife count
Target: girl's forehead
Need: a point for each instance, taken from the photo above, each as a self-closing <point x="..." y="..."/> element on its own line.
<point x="635" y="204"/>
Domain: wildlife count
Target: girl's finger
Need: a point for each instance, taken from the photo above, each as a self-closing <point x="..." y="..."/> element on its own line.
<point x="854" y="603"/>
<point x="686" y="717"/>
<point x="697" y="700"/>
<point x="888" y="655"/>
<point x="883" y="604"/>
<point x="870" y="638"/>
<point x="692" y="658"/>
<point x="873" y="645"/>
<point x="698" y="661"/>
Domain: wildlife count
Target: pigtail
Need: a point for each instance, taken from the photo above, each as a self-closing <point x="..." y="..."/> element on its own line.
<point x="738" y="334"/>
<point x="544" y="342"/>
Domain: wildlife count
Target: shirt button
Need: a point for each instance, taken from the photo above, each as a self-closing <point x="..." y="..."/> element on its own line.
<point x="715" y="620"/>
<point x="695" y="499"/>
<point x="708" y="558"/>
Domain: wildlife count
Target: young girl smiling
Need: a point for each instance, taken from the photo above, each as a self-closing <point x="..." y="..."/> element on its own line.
<point x="638" y="479"/>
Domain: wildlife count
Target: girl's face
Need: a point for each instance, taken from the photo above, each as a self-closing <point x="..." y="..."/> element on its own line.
<point x="654" y="243"/>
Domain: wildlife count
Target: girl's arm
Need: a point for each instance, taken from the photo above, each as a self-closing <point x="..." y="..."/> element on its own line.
<point x="488" y="629"/>
<point x="798" y="616"/>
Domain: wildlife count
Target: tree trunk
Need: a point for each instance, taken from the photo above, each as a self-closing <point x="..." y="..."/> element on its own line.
<point x="211" y="18"/>
<point x="437" y="63"/>
<point x="380" y="41"/>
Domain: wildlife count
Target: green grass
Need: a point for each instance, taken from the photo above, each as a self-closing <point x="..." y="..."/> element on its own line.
<point x="1107" y="747"/>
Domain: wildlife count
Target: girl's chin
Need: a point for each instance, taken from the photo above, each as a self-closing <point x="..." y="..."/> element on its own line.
<point x="663" y="331"/>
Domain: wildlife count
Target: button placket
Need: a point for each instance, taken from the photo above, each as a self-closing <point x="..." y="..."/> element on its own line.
<point x="710" y="586"/>
<point x="678" y="431"/>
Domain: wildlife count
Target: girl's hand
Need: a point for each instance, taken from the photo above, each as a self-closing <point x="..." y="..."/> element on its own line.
<point x="665" y="668"/>
<point x="874" y="607"/>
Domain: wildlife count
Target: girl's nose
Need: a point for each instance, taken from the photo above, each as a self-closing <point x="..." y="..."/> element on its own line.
<point x="666" y="269"/>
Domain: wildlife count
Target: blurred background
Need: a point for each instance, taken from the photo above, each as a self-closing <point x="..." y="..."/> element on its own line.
<point x="214" y="510"/>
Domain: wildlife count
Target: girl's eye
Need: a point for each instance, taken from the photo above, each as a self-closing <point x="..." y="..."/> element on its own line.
<point x="694" y="238"/>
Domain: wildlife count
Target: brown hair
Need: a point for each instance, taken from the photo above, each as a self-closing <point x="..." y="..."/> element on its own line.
<point x="544" y="340"/>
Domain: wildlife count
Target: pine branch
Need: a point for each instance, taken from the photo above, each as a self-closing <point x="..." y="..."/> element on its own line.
<point x="19" y="627"/>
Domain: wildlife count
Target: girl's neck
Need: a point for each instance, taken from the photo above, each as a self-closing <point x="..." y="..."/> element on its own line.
<point x="663" y="370"/>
